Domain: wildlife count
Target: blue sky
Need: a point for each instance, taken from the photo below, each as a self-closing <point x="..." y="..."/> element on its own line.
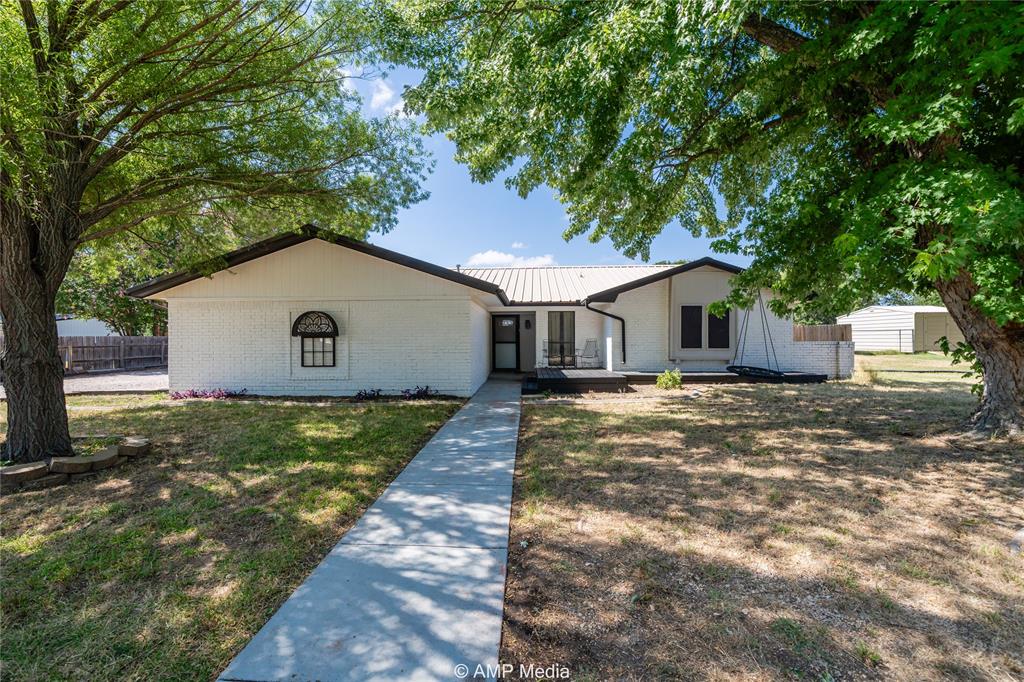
<point x="467" y="223"/>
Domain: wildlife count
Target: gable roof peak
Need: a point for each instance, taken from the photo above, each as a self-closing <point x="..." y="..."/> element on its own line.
<point x="305" y="233"/>
<point x="609" y="295"/>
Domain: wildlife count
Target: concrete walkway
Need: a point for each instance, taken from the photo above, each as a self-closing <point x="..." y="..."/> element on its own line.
<point x="416" y="587"/>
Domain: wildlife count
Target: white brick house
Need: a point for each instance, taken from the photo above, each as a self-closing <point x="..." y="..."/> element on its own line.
<point x="318" y="314"/>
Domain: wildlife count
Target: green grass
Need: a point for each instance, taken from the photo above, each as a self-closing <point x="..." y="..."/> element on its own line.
<point x="870" y="657"/>
<point x="128" y="400"/>
<point x="163" y="569"/>
<point x="930" y="361"/>
<point x="906" y="370"/>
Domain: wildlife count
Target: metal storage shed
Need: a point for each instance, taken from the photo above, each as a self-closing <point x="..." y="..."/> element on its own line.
<point x="905" y="328"/>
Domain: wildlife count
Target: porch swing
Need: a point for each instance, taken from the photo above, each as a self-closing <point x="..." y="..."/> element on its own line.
<point x="742" y="370"/>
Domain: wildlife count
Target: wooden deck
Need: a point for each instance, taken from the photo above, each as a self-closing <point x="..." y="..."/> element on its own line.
<point x="571" y="373"/>
<point x="571" y="380"/>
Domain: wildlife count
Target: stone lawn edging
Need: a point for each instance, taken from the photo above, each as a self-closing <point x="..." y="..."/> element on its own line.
<point x="60" y="470"/>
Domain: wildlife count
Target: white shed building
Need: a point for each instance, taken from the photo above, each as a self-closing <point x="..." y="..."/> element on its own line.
<point x="905" y="328"/>
<point x="68" y="325"/>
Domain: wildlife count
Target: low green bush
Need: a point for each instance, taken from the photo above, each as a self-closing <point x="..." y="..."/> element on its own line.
<point x="670" y="378"/>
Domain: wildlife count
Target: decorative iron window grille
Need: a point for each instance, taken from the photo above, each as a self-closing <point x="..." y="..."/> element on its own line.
<point x="317" y="332"/>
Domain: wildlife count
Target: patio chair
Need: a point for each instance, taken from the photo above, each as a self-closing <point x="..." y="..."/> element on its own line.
<point x="559" y="354"/>
<point x="589" y="357"/>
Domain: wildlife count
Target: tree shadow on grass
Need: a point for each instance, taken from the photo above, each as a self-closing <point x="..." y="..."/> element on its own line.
<point x="767" y="532"/>
<point x="641" y="612"/>
<point x="173" y="562"/>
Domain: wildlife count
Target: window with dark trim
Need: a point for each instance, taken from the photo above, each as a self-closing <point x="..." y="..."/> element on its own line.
<point x="692" y="332"/>
<point x="317" y="332"/>
<point x="718" y="331"/>
<point x="317" y="352"/>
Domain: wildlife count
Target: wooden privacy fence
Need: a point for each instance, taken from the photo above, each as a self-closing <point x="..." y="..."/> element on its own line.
<point x="93" y="353"/>
<point x="822" y="332"/>
<point x="107" y="353"/>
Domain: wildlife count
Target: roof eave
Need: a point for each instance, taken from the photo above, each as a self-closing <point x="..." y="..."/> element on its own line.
<point x="610" y="295"/>
<point x="545" y="304"/>
<point x="306" y="233"/>
<point x="230" y="259"/>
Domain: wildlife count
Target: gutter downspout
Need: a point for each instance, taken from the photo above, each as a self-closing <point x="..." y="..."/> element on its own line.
<point x="586" y="304"/>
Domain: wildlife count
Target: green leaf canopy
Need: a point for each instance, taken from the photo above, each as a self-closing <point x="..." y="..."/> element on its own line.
<point x="856" y="148"/>
<point x="207" y="113"/>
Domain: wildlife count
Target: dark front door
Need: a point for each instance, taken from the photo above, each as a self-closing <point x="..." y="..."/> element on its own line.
<point x="506" y="342"/>
<point x="561" y="338"/>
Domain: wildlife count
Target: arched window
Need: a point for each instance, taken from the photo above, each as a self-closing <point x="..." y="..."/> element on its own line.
<point x="317" y="332"/>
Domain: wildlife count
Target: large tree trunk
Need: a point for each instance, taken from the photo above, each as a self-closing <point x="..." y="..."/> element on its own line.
<point x="30" y="273"/>
<point x="1000" y="350"/>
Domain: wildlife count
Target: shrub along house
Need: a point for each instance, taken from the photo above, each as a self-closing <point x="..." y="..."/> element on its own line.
<point x="313" y="313"/>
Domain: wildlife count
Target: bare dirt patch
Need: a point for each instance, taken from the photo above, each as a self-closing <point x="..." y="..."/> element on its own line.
<point x="767" y="532"/>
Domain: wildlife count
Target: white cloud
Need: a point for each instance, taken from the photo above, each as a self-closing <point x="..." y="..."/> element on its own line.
<point x="518" y="245"/>
<point x="492" y="258"/>
<point x="382" y="97"/>
<point x="398" y="109"/>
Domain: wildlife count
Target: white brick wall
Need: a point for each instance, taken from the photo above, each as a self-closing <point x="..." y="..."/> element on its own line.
<point x="399" y="328"/>
<point x="389" y="345"/>
<point x="780" y="337"/>
<point x="646" y="313"/>
<point x="834" y="358"/>
<point x="589" y="325"/>
<point x="819" y="357"/>
<point x="480" y="334"/>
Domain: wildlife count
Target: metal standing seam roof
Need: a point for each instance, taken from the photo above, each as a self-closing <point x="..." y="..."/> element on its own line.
<point x="567" y="284"/>
<point x="911" y="309"/>
<point x="908" y="308"/>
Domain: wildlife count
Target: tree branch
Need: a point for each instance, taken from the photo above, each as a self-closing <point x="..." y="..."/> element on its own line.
<point x="78" y="32"/>
<point x="166" y="47"/>
<point x="772" y="35"/>
<point x="689" y="157"/>
<point x="223" y="84"/>
<point x="34" y="40"/>
<point x="785" y="40"/>
<point x="239" y="184"/>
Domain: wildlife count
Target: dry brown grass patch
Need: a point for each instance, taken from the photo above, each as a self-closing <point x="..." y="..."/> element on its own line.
<point x="765" y="532"/>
